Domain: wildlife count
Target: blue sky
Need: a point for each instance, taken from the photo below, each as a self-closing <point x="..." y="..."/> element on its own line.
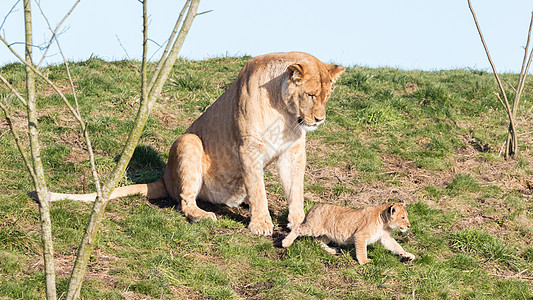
<point x="406" y="34"/>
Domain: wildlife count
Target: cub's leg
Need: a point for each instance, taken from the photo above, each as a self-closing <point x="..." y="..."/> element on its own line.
<point x="289" y="239"/>
<point x="323" y="240"/>
<point x="252" y="167"/>
<point x="305" y="229"/>
<point x="390" y="244"/>
<point x="291" y="165"/>
<point x="360" y="248"/>
<point x="183" y="175"/>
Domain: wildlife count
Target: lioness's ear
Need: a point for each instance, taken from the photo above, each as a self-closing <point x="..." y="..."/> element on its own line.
<point x="335" y="71"/>
<point x="296" y="73"/>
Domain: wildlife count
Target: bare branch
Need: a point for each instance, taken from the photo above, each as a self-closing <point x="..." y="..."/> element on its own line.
<point x="145" y="106"/>
<point x="48" y="81"/>
<point x="525" y="67"/>
<point x="9" y="121"/>
<point x="204" y="12"/>
<point x="487" y="52"/>
<point x="13" y="90"/>
<point x="505" y="105"/>
<point x="155" y="74"/>
<point x="512" y="144"/>
<point x="524" y="70"/>
<point x="81" y="123"/>
<point x="54" y="31"/>
<point x="10" y="12"/>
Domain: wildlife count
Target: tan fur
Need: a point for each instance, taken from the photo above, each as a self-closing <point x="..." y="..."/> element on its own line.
<point x="263" y="117"/>
<point x="361" y="227"/>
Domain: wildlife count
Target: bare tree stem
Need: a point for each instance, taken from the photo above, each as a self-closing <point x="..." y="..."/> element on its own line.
<point x="89" y="238"/>
<point x="40" y="183"/>
<point x="511" y="147"/>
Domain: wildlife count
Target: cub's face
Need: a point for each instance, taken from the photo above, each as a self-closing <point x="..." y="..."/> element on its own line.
<point x="398" y="217"/>
<point x="309" y="87"/>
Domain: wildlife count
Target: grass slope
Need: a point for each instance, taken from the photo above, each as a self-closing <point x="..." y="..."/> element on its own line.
<point x="429" y="138"/>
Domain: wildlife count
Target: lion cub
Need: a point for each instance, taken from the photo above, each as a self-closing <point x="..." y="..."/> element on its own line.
<point x="363" y="227"/>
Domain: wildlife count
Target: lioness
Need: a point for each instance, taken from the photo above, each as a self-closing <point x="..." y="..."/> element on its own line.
<point x="263" y="117"/>
<point x="360" y="226"/>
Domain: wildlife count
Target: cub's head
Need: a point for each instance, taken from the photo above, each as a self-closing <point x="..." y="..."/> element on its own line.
<point x="307" y="90"/>
<point x="396" y="217"/>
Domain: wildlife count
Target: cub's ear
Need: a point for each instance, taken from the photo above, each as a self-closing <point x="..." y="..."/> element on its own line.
<point x="335" y="71"/>
<point x="392" y="210"/>
<point x="296" y="73"/>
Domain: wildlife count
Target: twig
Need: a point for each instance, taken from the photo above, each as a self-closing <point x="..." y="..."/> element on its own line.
<point x="350" y="261"/>
<point x="81" y="122"/>
<point x="17" y="139"/>
<point x="501" y="149"/>
<point x="84" y="251"/>
<point x="10" y="11"/>
<point x="204" y="12"/>
<point x="54" y="87"/>
<point x="524" y="70"/>
<point x="517" y="275"/>
<point x="505" y="105"/>
<point x="126" y="52"/>
<point x="161" y="62"/>
<point x="55" y="31"/>
<point x="14" y="91"/>
<point x="487" y="52"/>
<point x="512" y="143"/>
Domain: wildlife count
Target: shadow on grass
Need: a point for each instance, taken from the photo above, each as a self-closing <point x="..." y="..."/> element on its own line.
<point x="146" y="165"/>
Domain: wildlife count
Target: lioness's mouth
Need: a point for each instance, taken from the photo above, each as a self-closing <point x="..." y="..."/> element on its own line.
<point x="302" y="122"/>
<point x="306" y="126"/>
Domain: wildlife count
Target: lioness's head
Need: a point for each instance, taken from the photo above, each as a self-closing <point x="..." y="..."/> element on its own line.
<point x="396" y="216"/>
<point x="308" y="89"/>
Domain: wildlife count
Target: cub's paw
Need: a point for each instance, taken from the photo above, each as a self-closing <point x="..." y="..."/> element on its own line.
<point x="408" y="256"/>
<point x="261" y="226"/>
<point x="286" y="242"/>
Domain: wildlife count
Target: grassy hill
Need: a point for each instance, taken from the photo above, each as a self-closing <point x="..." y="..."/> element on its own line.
<point x="431" y="139"/>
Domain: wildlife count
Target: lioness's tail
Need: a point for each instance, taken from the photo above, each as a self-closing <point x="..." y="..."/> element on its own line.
<point x="152" y="190"/>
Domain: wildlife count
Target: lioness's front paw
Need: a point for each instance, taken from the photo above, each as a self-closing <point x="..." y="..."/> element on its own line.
<point x="196" y="214"/>
<point x="363" y="261"/>
<point x="295" y="220"/>
<point x="408" y="256"/>
<point x="261" y="226"/>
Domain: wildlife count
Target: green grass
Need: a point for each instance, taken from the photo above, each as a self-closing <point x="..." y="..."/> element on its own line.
<point x="431" y="139"/>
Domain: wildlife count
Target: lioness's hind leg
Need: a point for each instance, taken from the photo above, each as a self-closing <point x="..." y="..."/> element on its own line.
<point x="183" y="175"/>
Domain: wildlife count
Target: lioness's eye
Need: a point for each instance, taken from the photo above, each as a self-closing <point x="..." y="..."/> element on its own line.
<point x="310" y="96"/>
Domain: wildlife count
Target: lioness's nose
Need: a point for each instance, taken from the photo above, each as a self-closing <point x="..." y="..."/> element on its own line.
<point x="318" y="119"/>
